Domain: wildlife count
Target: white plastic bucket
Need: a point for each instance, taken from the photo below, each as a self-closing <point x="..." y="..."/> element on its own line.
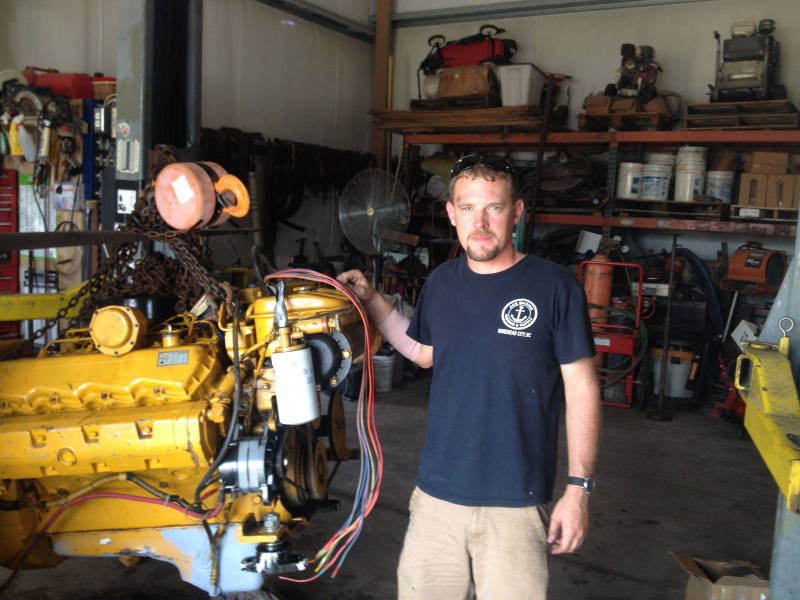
<point x="629" y="180"/>
<point x="695" y="150"/>
<point x="719" y="185"/>
<point x="384" y="372"/>
<point x="655" y="182"/>
<point x="660" y="158"/>
<point x="689" y="180"/>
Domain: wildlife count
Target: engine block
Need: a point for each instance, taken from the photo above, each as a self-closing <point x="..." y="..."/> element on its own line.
<point x="109" y="427"/>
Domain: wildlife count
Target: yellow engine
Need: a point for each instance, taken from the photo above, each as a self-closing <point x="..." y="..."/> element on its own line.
<point x="196" y="442"/>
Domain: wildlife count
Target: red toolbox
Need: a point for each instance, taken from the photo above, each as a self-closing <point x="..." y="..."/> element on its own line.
<point x="71" y="85"/>
<point x="9" y="284"/>
<point x="8" y="213"/>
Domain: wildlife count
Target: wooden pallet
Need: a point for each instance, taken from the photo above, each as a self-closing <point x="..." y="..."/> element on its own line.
<point x="767" y="114"/>
<point x="456" y="102"/>
<point x="667" y="208"/>
<point x="738" y="108"/>
<point x="649" y="121"/>
<point x="763" y="213"/>
<point x="742" y="121"/>
<point x="517" y="118"/>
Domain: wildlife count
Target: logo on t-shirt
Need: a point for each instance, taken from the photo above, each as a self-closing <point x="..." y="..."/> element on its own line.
<point x="518" y="315"/>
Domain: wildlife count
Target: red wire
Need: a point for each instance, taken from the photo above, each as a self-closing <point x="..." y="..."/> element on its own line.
<point x="349" y="533"/>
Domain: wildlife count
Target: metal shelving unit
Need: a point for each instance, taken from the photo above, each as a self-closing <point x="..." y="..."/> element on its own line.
<point x="611" y="141"/>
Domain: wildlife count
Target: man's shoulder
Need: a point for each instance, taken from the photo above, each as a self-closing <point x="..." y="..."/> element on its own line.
<point x="553" y="271"/>
<point x="444" y="270"/>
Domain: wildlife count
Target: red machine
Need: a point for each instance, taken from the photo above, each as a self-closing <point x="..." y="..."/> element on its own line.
<point x="610" y="337"/>
<point x="754" y="269"/>
<point x="471" y="50"/>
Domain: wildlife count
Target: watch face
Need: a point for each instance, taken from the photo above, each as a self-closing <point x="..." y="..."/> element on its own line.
<point x="588" y="484"/>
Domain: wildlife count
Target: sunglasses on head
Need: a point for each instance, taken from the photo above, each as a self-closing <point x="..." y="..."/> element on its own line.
<point x="494" y="162"/>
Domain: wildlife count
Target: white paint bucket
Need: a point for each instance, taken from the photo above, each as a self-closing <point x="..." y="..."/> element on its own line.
<point x="692" y="150"/>
<point x="660" y="158"/>
<point x="719" y="185"/>
<point x="655" y="182"/>
<point x="629" y="180"/>
<point x="384" y="372"/>
<point x="689" y="180"/>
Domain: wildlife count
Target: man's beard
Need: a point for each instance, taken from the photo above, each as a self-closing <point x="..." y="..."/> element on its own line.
<point x="483" y="254"/>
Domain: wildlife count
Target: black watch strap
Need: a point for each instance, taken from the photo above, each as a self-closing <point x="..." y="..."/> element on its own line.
<point x="587" y="483"/>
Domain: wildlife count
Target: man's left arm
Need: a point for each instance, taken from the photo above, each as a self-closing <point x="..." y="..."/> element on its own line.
<point x="569" y="522"/>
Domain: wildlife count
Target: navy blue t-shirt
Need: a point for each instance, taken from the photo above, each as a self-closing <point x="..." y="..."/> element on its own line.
<point x="498" y="343"/>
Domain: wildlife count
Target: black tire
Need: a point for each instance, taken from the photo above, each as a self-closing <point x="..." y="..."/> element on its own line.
<point x="437" y="41"/>
<point x="779" y="92"/>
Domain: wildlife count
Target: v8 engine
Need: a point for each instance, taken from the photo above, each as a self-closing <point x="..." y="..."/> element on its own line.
<point x="204" y="443"/>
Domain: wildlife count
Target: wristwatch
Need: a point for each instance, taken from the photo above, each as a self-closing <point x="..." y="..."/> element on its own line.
<point x="587" y="483"/>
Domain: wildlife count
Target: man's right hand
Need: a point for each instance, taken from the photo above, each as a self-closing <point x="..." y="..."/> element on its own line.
<point x="358" y="283"/>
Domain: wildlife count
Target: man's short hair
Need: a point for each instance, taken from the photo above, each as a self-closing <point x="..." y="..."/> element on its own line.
<point x="484" y="172"/>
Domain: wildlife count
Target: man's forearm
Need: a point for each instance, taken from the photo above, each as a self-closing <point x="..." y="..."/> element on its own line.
<point x="583" y="417"/>
<point x="379" y="308"/>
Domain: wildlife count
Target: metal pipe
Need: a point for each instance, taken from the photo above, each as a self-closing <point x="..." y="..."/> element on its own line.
<point x="660" y="414"/>
<point x="537" y="181"/>
<point x="194" y="77"/>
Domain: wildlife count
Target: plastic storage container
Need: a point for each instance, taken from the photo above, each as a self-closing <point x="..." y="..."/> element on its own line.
<point x="519" y="84"/>
<point x="629" y="180"/>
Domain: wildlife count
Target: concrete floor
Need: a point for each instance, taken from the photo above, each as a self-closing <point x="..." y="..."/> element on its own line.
<point x="692" y="486"/>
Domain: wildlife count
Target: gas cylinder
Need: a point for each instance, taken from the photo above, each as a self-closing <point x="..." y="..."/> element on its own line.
<point x="597" y="285"/>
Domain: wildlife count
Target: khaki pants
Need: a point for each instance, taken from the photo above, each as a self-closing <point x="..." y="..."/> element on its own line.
<point x="451" y="550"/>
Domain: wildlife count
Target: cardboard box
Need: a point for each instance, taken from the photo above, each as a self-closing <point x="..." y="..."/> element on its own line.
<point x="769" y="163"/>
<point x="722" y="579"/>
<point x="597" y="104"/>
<point x="780" y="191"/>
<point x="624" y="105"/>
<point x="657" y="105"/>
<point x="724" y="160"/>
<point x="466" y="81"/>
<point x="753" y="189"/>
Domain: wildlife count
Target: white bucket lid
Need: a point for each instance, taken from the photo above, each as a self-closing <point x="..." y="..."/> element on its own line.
<point x="656" y="169"/>
<point x="722" y="175"/>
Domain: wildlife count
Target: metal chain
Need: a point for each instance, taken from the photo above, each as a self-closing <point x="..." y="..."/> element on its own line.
<point x="185" y="276"/>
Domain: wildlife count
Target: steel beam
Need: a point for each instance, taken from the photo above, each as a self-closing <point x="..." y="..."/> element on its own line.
<point x="520" y="8"/>
<point x="24" y="307"/>
<point x="65" y="239"/>
<point x="324" y="18"/>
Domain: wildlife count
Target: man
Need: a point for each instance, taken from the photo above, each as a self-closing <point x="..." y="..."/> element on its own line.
<point x="508" y="337"/>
